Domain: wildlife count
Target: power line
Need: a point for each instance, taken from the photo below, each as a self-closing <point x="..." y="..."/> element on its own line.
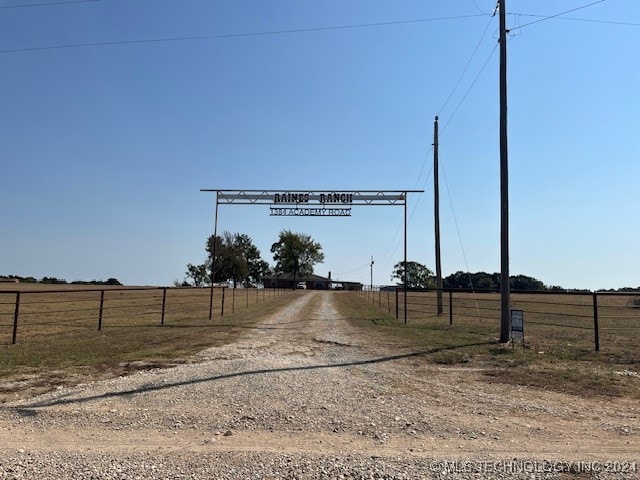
<point x="351" y="271"/>
<point x="424" y="162"/>
<point x="470" y="87"/>
<point x="237" y="35"/>
<point x="48" y="4"/>
<point x="464" y="255"/>
<point x="431" y="169"/>
<point x="466" y="66"/>
<point x="384" y="261"/>
<point x="415" y="206"/>
<point x="478" y="8"/>
<point x="556" y="15"/>
<point x="445" y="104"/>
<point x="609" y="22"/>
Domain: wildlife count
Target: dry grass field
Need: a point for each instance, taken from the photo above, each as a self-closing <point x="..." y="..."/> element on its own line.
<point x="559" y="348"/>
<point x="557" y="323"/>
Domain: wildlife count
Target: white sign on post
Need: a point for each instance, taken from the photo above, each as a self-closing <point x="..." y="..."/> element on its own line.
<point x="517" y="325"/>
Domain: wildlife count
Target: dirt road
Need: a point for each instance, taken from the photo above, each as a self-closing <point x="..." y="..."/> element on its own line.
<point x="305" y="395"/>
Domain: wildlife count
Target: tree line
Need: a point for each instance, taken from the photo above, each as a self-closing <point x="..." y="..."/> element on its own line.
<point x="421" y="277"/>
<point x="59" y="281"/>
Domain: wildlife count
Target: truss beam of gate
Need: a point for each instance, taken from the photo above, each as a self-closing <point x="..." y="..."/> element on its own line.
<point x="313" y="203"/>
<point x="311" y="197"/>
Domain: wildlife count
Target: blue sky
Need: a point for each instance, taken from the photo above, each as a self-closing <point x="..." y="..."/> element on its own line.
<point x="105" y="148"/>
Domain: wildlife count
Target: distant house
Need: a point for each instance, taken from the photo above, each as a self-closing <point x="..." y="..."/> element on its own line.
<point x="349" y="286"/>
<point x="9" y="280"/>
<point x="310" y="282"/>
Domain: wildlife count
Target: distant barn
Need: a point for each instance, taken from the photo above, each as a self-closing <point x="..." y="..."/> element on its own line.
<point x="310" y="282"/>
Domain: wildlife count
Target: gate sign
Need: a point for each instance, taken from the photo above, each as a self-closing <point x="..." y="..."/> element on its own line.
<point x="309" y="212"/>
<point x="517" y="325"/>
<point x="308" y="203"/>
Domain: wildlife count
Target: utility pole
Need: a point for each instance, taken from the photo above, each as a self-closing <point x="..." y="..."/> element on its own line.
<point x="371" y="284"/>
<point x="404" y="280"/>
<point x="436" y="216"/>
<point x="505" y="290"/>
<point x="213" y="257"/>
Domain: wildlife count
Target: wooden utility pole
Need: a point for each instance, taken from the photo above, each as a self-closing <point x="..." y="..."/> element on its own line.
<point x="404" y="280"/>
<point x="436" y="216"/>
<point x="213" y="256"/>
<point x="371" y="284"/>
<point x="505" y="290"/>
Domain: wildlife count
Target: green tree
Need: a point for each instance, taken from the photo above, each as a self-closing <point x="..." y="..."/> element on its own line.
<point x="457" y="280"/>
<point x="491" y="281"/>
<point x="418" y="276"/>
<point x="198" y="274"/>
<point x="53" y="280"/>
<point x="523" y="282"/>
<point x="256" y="266"/>
<point x="296" y="254"/>
<point x="237" y="259"/>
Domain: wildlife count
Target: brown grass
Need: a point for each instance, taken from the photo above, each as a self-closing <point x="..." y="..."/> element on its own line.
<point x="559" y="349"/>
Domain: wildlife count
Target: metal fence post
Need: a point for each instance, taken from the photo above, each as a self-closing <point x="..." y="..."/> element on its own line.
<point x="388" y="302"/>
<point x="450" y="307"/>
<point x="211" y="302"/>
<point x="15" y="319"/>
<point x="101" y="308"/>
<point x="164" y="303"/>
<point x="233" y="300"/>
<point x="595" y="322"/>
<point x="222" y="306"/>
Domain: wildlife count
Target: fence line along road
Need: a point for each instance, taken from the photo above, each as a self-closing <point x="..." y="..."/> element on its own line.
<point x="579" y="320"/>
<point x="60" y="310"/>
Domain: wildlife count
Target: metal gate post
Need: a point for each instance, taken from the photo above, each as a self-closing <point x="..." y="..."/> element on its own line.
<point x="397" y="312"/>
<point x="101" y="308"/>
<point x="211" y="302"/>
<point x="164" y="302"/>
<point x="595" y="322"/>
<point x="15" y="319"/>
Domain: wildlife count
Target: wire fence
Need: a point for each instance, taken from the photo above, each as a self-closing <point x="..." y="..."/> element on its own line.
<point x="587" y="321"/>
<point x="35" y="311"/>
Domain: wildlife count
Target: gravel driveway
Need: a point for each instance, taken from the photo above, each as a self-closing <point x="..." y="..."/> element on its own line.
<point x="306" y="396"/>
